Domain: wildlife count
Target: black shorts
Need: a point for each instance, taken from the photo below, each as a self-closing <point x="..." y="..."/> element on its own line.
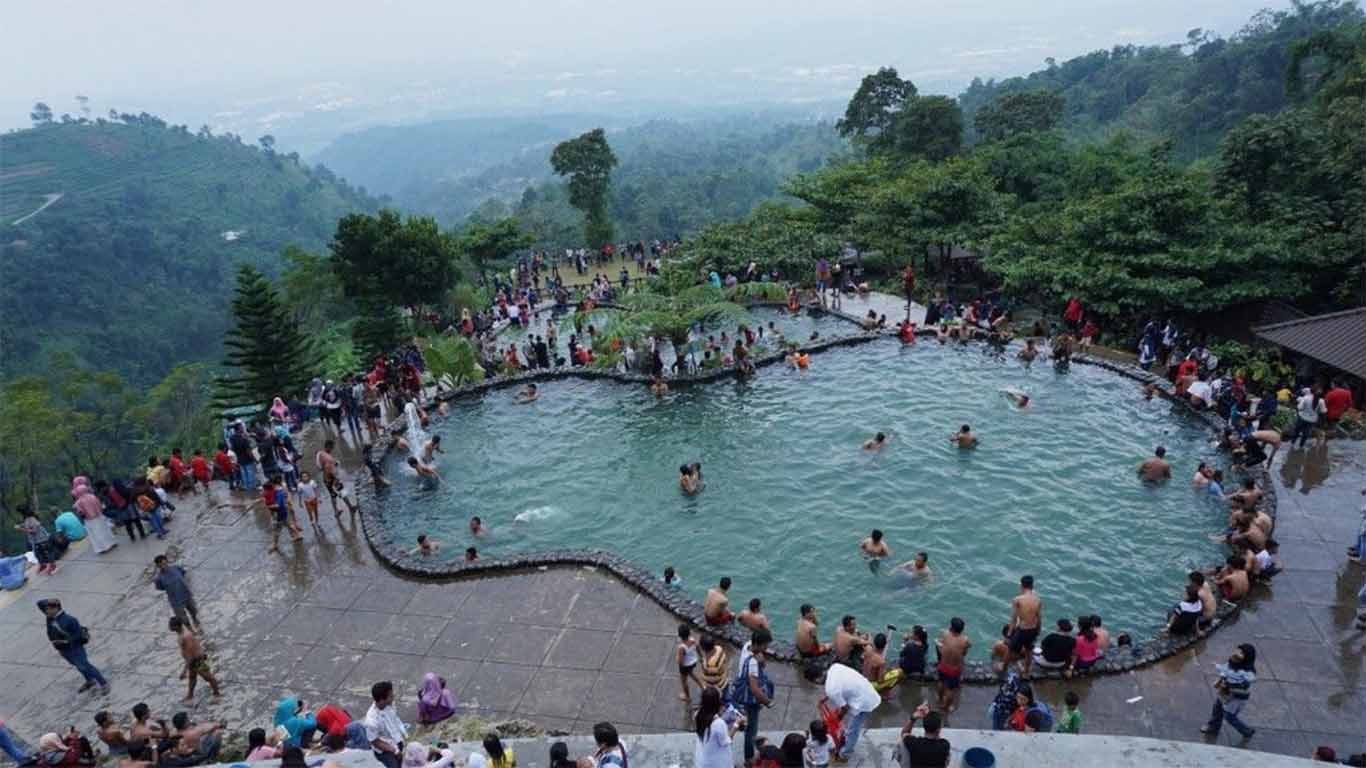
<point x="686" y="670"/>
<point x="372" y="412"/>
<point x="1022" y="640"/>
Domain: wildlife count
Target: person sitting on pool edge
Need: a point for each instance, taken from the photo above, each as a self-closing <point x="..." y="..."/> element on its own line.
<point x="716" y="608"/>
<point x="877" y="443"/>
<point x="752" y="617"/>
<point x="964" y="437"/>
<point x="808" y="644"/>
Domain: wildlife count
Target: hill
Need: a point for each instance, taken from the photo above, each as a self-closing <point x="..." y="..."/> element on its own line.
<point x="1192" y="92"/>
<point x="119" y="238"/>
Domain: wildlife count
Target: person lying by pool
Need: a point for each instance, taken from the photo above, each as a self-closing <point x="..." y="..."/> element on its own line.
<point x="425" y="545"/>
<point x="807" y="642"/>
<point x="1017" y="397"/>
<point x="877" y="442"/>
<point x="424" y="470"/>
<point x="716" y="607"/>
<point x="477" y="526"/>
<point x="964" y="437"/>
<point x="1155" y="468"/>
<point x="528" y="395"/>
<point x="874" y="546"/>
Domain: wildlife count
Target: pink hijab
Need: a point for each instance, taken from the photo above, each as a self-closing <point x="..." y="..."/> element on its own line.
<point x="78" y="483"/>
<point x="279" y="410"/>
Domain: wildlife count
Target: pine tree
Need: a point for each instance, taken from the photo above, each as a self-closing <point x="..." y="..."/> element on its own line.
<point x="266" y="351"/>
<point x="378" y="328"/>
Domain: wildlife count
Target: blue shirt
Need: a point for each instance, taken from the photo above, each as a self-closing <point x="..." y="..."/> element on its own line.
<point x="1214" y="488"/>
<point x="69" y="526"/>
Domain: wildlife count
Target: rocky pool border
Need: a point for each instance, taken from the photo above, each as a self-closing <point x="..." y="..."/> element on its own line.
<point x="398" y="558"/>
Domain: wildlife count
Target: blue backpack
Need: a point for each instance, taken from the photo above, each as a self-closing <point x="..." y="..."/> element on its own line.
<point x="740" y="695"/>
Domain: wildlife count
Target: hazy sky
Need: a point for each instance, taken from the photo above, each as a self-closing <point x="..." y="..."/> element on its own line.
<point x="284" y="60"/>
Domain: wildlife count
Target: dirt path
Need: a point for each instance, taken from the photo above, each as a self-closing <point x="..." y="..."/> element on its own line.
<point x="51" y="198"/>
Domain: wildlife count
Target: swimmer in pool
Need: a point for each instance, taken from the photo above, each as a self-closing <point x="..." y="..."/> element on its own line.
<point x="1017" y="397"/>
<point x="874" y="546"/>
<point x="964" y="437"/>
<point x="917" y="569"/>
<point x="658" y="386"/>
<point x="1028" y="353"/>
<point x="878" y="442"/>
<point x="425" y="546"/>
<point x="528" y="395"/>
<point x="477" y="526"/>
<point x="689" y="483"/>
<point x="424" y="470"/>
<point x="432" y="448"/>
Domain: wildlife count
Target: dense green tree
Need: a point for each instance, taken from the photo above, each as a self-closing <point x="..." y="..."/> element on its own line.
<point x="378" y="329"/>
<point x="588" y="161"/>
<point x="873" y="108"/>
<point x="311" y="288"/>
<point x="1011" y="114"/>
<point x="33" y="431"/>
<point x="41" y="115"/>
<point x="409" y="262"/>
<point x="267" y="355"/>
<point x="930" y="127"/>
<point x="177" y="413"/>
<point x="484" y="243"/>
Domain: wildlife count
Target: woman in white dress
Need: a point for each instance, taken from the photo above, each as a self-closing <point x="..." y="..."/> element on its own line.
<point x="91" y="511"/>
<point x="714" y="734"/>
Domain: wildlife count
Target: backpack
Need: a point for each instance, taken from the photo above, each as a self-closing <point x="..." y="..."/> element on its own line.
<point x="740" y="694"/>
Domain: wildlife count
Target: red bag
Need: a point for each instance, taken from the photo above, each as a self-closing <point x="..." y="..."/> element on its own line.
<point x="833" y="725"/>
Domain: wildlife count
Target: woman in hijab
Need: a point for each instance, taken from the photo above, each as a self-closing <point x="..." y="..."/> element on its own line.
<point x="278" y="410"/>
<point x="419" y="756"/>
<point x="435" y="702"/>
<point x="297" y="724"/>
<point x="91" y="510"/>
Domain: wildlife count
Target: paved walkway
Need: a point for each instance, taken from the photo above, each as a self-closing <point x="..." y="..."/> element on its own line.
<point x="569" y="647"/>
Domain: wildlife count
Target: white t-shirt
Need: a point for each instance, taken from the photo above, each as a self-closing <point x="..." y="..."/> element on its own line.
<point x="1263" y="559"/>
<point x="713" y="750"/>
<point x="817" y="753"/>
<point x="847" y="686"/>
<point x="1202" y="390"/>
<point x="384" y="724"/>
<point x="1304" y="407"/>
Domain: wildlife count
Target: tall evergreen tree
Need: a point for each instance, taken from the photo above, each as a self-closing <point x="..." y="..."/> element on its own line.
<point x="268" y="354"/>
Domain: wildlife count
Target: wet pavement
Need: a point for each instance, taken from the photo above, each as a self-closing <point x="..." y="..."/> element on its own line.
<point x="568" y="647"/>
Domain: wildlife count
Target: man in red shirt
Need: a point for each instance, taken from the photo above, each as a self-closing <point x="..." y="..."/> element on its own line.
<point x="224" y="465"/>
<point x="1337" y="401"/>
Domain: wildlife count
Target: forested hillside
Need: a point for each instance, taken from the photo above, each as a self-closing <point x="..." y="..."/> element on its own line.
<point x="131" y="265"/>
<point x="1191" y="92"/>
<point x="676" y="177"/>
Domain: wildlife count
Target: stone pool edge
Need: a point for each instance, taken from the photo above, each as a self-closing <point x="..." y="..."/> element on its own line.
<point x="1147" y="651"/>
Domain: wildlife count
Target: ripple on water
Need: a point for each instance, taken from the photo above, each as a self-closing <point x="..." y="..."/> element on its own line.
<point x="1051" y="491"/>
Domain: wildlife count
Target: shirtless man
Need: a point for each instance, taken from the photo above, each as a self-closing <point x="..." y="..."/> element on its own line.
<point x="425" y="545"/>
<point x="874" y="546"/>
<point x="431" y="449"/>
<point x="953" y="648"/>
<point x="327" y="464"/>
<point x="874" y="659"/>
<point x="1232" y="579"/>
<point x="876" y="443"/>
<point x="752" y="617"/>
<point x="918" y="569"/>
<point x="424" y="471"/>
<point x="808" y="644"/>
<point x="848" y="640"/>
<point x="1155" y="468"/>
<point x="1020" y="399"/>
<point x="964" y="437"/>
<point x="528" y="395"/>
<point x="1268" y="437"/>
<point x="1028" y="353"/>
<point x="687" y="481"/>
<point x="1026" y="617"/>
<point x="659" y="387"/>
<point x="477" y="526"/>
<point x="196" y="660"/>
<point x="716" y="608"/>
<point x="1208" y="605"/>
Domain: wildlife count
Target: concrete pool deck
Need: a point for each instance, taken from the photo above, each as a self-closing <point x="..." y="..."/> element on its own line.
<point x="569" y="647"/>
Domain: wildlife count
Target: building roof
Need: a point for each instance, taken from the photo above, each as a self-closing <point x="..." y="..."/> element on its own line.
<point x="1337" y="338"/>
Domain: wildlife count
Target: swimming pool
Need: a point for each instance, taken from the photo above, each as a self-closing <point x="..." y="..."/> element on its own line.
<point x="1051" y="491"/>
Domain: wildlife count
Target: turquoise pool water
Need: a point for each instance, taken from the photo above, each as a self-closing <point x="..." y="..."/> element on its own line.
<point x="789" y="494"/>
